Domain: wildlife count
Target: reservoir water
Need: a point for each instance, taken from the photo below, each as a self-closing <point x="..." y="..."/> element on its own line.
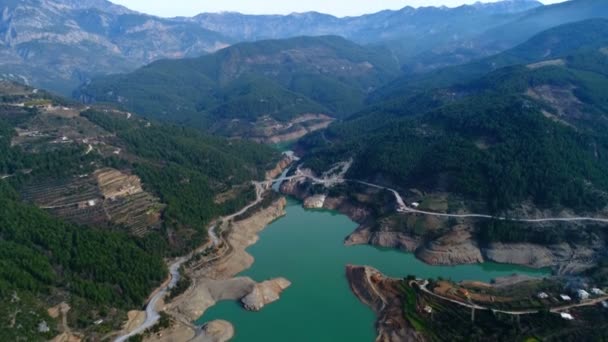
<point x="306" y="247"/>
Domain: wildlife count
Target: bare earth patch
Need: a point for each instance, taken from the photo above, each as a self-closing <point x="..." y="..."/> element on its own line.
<point x="553" y="62"/>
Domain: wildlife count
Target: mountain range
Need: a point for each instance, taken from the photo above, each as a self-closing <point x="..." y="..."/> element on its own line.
<point x="60" y="44"/>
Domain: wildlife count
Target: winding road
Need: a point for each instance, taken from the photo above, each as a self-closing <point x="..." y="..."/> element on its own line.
<point x="424" y="284"/>
<point x="402" y="207"/>
<point x="329" y="180"/>
<point x="152" y="315"/>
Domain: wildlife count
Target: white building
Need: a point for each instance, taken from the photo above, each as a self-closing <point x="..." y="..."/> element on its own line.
<point x="597" y="291"/>
<point x="542" y="295"/>
<point x="565" y="298"/>
<point x="415" y="204"/>
<point x="582" y="294"/>
<point x="566" y="316"/>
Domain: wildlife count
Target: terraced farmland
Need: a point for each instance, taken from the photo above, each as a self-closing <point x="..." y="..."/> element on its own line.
<point x="139" y="212"/>
<point x="109" y="198"/>
<point x="54" y="194"/>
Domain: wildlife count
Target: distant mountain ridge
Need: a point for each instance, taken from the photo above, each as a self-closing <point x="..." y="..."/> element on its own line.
<point x="407" y="32"/>
<point x="552" y="43"/>
<point x="362" y="29"/>
<point x="102" y="5"/>
<point x="58" y="44"/>
<point x="278" y="79"/>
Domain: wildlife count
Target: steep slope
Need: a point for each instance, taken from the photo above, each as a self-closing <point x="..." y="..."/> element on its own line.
<point x="59" y="44"/>
<point x="278" y="79"/>
<point x="550" y="44"/>
<point x="92" y="199"/>
<point x="525" y="135"/>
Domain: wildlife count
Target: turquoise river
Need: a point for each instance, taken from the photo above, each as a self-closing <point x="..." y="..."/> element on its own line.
<point x="306" y="247"/>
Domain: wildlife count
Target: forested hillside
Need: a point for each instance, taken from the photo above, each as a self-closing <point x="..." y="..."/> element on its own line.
<point x="528" y="132"/>
<point x="279" y="79"/>
<point x="68" y="174"/>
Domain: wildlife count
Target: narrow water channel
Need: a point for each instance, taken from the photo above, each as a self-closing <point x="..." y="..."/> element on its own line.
<point x="306" y="247"/>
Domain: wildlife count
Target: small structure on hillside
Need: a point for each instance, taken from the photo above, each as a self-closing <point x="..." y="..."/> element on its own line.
<point x="582" y="294"/>
<point x="566" y="316"/>
<point x="542" y="295"/>
<point x="415" y="204"/>
<point x="428" y="309"/>
<point x="565" y="298"/>
<point x="597" y="291"/>
<point x="43" y="327"/>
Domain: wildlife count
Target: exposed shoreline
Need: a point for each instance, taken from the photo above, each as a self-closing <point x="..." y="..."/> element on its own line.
<point x="458" y="247"/>
<point x="217" y="282"/>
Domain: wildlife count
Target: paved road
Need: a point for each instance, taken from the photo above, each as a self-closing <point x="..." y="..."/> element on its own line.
<point x="152" y="315"/>
<point x="402" y="207"/>
<point x="558" y="309"/>
<point x="330" y="180"/>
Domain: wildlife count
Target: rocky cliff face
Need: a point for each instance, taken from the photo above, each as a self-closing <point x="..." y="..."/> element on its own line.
<point x="456" y="247"/>
<point x="57" y="44"/>
<point x="365" y="235"/>
<point x="565" y="258"/>
<point x="281" y="166"/>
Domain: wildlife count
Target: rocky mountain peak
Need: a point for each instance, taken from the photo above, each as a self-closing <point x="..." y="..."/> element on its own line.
<point x="102" y="5"/>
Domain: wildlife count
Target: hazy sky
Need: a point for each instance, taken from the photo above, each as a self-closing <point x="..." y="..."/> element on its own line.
<point x="170" y="8"/>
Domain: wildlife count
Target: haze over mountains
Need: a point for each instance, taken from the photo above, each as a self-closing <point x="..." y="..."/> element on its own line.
<point x="59" y="44"/>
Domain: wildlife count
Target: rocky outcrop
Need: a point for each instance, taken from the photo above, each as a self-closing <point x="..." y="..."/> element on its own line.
<point x="264" y="293"/>
<point x="296" y="188"/>
<point x="215" y="331"/>
<point x="281" y="166"/>
<point x="315" y="202"/>
<point x="566" y="258"/>
<point x="383" y="296"/>
<point x="456" y="247"/>
<point x="366" y="236"/>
